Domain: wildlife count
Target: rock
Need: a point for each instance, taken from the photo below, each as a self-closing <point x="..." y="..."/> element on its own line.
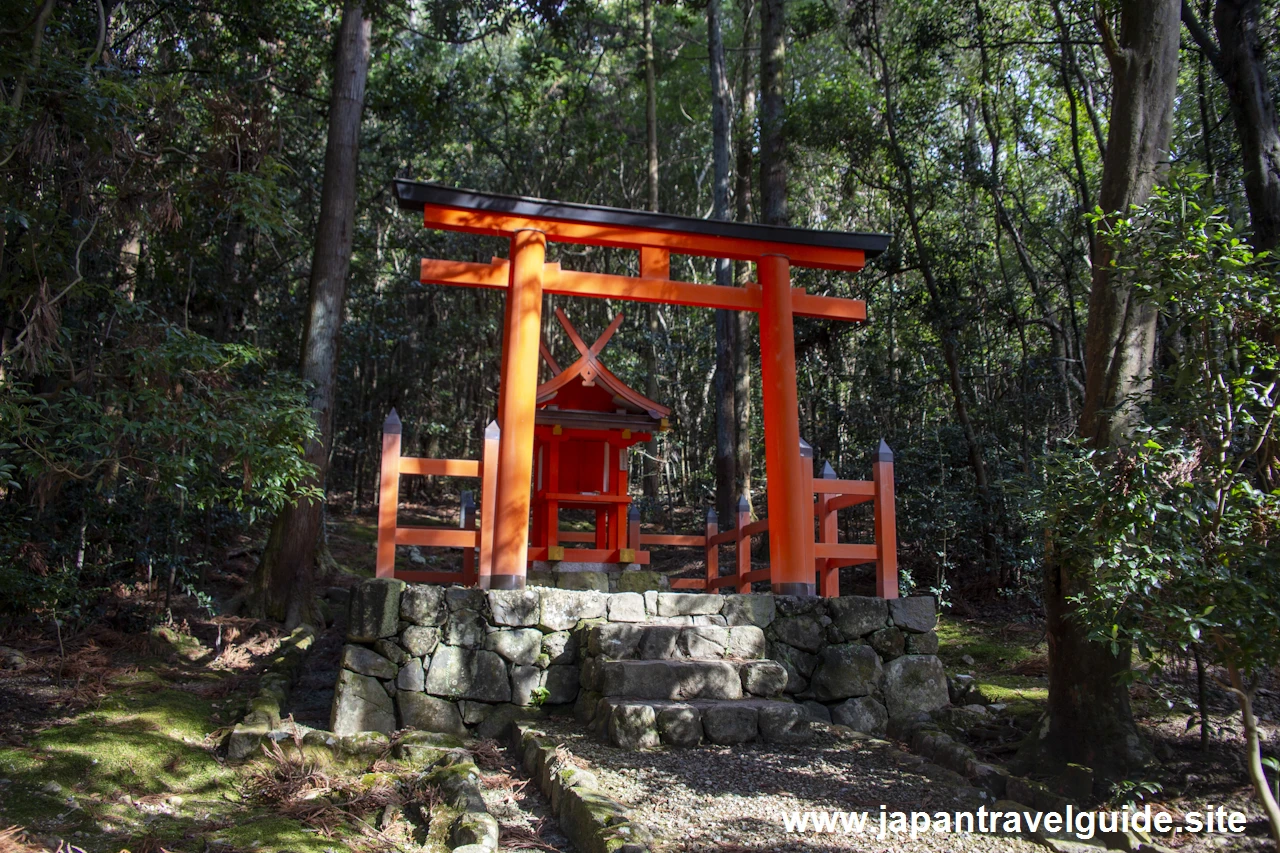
<point x="702" y="643"/>
<point x="411" y="676"/>
<point x="517" y="608"/>
<point x="730" y="723"/>
<point x="889" y="643"/>
<point x="914" y="683"/>
<point x="641" y="581"/>
<point x="474" y="713"/>
<point x="801" y="632"/>
<point x="817" y="712"/>
<point x="784" y="722"/>
<point x="11" y="658"/>
<point x="633" y="725"/>
<point x="584" y="707"/>
<point x="659" y="642"/>
<point x="764" y="678"/>
<point x="961" y="689"/>
<point x="677" y="680"/>
<point x="689" y="603"/>
<point x="561" y="648"/>
<point x="360" y="704"/>
<point x="747" y="642"/>
<point x="856" y="616"/>
<point x="561" y="684"/>
<point x="464" y="598"/>
<point x="367" y="662"/>
<point x="967" y="660"/>
<point x="591" y="676"/>
<point x="520" y="646"/>
<point x="391" y="652"/>
<point x="757" y="610"/>
<point x="797" y="605"/>
<point x="598" y="581"/>
<point x="478" y="829"/>
<point x="916" y="614"/>
<point x="429" y="714"/>
<point x="562" y="608"/>
<point x="465" y="674"/>
<point x="525" y="680"/>
<point x="465" y="628"/>
<point x="844" y="671"/>
<point x="420" y="641"/>
<point x="922" y="644"/>
<point x="799" y="665"/>
<point x="375" y="610"/>
<point x="495" y="725"/>
<point x="423" y="604"/>
<point x="618" y="641"/>
<point x="679" y="725"/>
<point x="626" y="607"/>
<point x="862" y="714"/>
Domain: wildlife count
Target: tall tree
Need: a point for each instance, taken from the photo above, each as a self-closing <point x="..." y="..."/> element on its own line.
<point x="726" y="321"/>
<point x="651" y="466"/>
<point x="744" y="143"/>
<point x="1090" y="720"/>
<point x="773" y="152"/>
<point x="1240" y="60"/>
<point x="285" y="577"/>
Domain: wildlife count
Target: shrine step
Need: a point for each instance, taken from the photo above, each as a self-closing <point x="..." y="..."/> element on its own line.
<point x="626" y="641"/>
<point x="636" y="723"/>
<point x="683" y="679"/>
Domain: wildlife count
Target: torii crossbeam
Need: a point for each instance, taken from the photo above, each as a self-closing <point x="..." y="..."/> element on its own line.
<point x="530" y="224"/>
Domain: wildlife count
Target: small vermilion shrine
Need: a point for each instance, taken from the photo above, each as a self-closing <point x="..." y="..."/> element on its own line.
<point x="564" y="443"/>
<point x="587" y="420"/>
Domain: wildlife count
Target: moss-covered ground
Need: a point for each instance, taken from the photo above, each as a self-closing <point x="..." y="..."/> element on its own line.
<point x="133" y="766"/>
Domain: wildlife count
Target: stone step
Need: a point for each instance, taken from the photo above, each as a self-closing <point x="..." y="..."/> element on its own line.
<point x="636" y="724"/>
<point x="628" y="641"/>
<point x="684" y="679"/>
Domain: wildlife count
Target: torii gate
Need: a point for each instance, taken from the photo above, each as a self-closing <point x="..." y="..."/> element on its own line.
<point x="530" y="223"/>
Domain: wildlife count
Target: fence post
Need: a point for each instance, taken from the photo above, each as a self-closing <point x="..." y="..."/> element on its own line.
<point x="886" y="525"/>
<point x="467" y="521"/>
<point x="388" y="496"/>
<point x="628" y="554"/>
<point x="742" y="544"/>
<point x="806" y="503"/>
<point x="488" y="501"/>
<point x="828" y="533"/>
<point x="712" y="549"/>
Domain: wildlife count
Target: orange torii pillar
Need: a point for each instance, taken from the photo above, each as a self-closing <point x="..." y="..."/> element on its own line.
<point x="517" y="404"/>
<point x="790" y="509"/>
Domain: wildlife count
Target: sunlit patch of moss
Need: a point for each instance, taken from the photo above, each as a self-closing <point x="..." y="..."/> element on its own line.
<point x="266" y="832"/>
<point x="991" y="651"/>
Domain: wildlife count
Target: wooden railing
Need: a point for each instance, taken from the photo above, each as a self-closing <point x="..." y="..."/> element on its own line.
<point x="825" y="551"/>
<point x="465" y="536"/>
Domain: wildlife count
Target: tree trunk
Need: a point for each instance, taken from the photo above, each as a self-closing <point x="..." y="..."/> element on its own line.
<point x="773" y="150"/>
<point x="726" y="321"/>
<point x="1090" y="720"/>
<point x="285" y="576"/>
<point x="742" y="212"/>
<point x="652" y="465"/>
<point x="1240" y="60"/>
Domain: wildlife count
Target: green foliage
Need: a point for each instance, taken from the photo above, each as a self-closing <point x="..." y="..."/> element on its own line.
<point x="1179" y="525"/>
<point x="167" y="426"/>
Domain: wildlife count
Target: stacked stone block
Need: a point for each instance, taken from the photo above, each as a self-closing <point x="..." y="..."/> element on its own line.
<point x="725" y="668"/>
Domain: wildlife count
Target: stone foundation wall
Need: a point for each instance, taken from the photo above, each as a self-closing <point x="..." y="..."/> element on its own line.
<point x="446" y="658"/>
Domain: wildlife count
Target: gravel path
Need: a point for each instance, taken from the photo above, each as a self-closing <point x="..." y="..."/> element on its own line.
<point x="731" y="799"/>
<point x="521" y="810"/>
